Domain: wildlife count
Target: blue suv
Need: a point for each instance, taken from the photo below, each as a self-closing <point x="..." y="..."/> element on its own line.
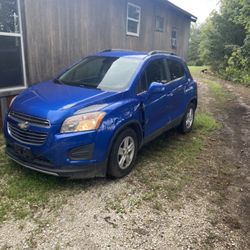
<point x="94" y="117"/>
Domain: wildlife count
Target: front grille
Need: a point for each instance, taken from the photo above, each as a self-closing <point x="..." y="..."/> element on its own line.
<point x="20" y="117"/>
<point x="26" y="136"/>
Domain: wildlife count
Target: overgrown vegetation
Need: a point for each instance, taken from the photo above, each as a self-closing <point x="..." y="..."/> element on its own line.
<point x="223" y="42"/>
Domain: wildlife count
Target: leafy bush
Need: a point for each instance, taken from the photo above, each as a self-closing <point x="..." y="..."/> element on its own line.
<point x="239" y="64"/>
<point x="223" y="42"/>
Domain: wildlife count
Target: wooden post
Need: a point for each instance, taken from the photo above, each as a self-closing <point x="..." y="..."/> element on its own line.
<point x="4" y="107"/>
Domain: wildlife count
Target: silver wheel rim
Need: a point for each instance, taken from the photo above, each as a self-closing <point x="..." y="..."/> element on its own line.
<point x="126" y="152"/>
<point x="190" y="118"/>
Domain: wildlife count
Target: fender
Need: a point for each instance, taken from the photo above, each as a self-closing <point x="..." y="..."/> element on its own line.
<point x="195" y="100"/>
<point x="120" y="115"/>
<point x="119" y="130"/>
<point x="126" y="125"/>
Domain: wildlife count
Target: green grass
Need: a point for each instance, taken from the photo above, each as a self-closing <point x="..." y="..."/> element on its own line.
<point x="23" y="192"/>
<point x="205" y="123"/>
<point x="196" y="71"/>
<point x="166" y="165"/>
<point x="215" y="88"/>
<point x="211" y="80"/>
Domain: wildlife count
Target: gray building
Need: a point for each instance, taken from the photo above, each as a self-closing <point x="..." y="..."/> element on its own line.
<point x="40" y="37"/>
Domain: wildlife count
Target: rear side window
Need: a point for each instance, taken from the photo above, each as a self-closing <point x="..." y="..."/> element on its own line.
<point x="176" y="69"/>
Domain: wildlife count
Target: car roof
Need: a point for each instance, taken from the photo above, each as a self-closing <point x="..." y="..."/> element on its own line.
<point x="123" y="53"/>
<point x="133" y="54"/>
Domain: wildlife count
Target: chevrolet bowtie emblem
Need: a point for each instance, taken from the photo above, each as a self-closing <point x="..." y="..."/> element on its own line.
<point x="23" y="125"/>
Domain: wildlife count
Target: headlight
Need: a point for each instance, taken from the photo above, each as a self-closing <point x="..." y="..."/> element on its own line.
<point x="13" y="99"/>
<point x="83" y="122"/>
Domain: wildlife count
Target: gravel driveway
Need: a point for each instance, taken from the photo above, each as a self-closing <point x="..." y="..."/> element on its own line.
<point x="211" y="211"/>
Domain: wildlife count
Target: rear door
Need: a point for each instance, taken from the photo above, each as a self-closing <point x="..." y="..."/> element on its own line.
<point x="175" y="88"/>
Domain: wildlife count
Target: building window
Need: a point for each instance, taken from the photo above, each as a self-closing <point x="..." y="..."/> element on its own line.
<point x="174" y="38"/>
<point x="159" y="24"/>
<point x="133" y="19"/>
<point x="12" y="63"/>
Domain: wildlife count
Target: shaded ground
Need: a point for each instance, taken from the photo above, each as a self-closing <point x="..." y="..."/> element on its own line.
<point x="187" y="192"/>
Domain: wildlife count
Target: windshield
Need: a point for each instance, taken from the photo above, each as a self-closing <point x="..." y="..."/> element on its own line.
<point x="106" y="73"/>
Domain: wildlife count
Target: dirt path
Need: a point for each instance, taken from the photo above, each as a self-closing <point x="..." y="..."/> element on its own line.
<point x="211" y="212"/>
<point x="234" y="148"/>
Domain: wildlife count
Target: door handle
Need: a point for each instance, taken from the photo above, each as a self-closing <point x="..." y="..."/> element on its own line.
<point x="170" y="94"/>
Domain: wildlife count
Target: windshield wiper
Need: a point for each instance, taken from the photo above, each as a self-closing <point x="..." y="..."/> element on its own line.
<point x="56" y="80"/>
<point x="76" y="83"/>
<point x="72" y="83"/>
<point x="85" y="85"/>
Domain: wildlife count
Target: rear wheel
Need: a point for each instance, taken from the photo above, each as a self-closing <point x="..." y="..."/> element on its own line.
<point x="123" y="154"/>
<point x="188" y="119"/>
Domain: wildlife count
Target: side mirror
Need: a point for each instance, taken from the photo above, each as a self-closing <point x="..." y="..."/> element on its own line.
<point x="156" y="87"/>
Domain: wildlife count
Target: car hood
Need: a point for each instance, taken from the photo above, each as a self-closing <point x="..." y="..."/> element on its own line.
<point x="56" y="101"/>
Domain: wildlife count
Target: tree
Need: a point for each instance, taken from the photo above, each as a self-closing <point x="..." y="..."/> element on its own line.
<point x="194" y="43"/>
<point x="225" y="40"/>
<point x="211" y="47"/>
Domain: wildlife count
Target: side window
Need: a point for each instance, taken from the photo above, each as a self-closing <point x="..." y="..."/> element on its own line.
<point x="143" y="84"/>
<point x="154" y="72"/>
<point x="176" y="69"/>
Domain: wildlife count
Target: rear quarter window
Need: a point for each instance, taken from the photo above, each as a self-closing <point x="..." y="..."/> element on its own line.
<point x="176" y="69"/>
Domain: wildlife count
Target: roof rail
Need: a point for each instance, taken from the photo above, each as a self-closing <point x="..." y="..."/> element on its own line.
<point x="154" y="52"/>
<point x="110" y="50"/>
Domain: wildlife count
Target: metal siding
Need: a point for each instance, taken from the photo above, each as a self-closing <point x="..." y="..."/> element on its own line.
<point x="59" y="32"/>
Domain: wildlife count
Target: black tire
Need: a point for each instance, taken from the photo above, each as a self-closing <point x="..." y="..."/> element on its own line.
<point x="185" y="126"/>
<point x="114" y="169"/>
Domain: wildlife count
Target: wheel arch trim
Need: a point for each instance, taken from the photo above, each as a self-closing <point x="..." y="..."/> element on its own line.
<point x="121" y="128"/>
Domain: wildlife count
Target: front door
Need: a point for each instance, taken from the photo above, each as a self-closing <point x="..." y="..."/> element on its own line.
<point x="156" y="106"/>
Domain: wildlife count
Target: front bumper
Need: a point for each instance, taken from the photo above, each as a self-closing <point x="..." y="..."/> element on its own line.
<point x="75" y="155"/>
<point x="87" y="171"/>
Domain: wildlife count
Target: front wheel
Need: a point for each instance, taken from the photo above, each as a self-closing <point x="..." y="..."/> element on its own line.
<point x="188" y="119"/>
<point x="123" y="154"/>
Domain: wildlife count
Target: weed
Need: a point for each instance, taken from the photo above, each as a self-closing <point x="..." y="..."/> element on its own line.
<point x="205" y="122"/>
<point x="116" y="205"/>
<point x="211" y="239"/>
<point x="158" y="206"/>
